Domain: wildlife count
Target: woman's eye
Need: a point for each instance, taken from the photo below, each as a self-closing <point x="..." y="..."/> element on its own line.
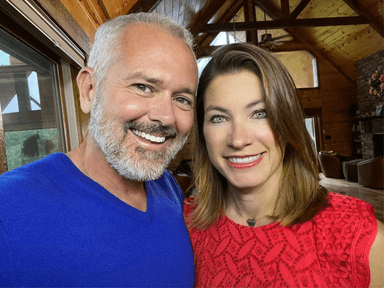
<point x="217" y="119"/>
<point x="143" y="88"/>
<point x="260" y="114"/>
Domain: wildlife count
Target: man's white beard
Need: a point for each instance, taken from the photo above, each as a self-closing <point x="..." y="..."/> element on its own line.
<point x="133" y="163"/>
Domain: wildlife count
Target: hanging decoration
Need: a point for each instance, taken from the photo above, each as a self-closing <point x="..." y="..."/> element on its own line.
<point x="376" y="83"/>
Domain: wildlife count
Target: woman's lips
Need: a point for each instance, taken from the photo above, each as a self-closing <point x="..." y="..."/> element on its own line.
<point x="244" y="162"/>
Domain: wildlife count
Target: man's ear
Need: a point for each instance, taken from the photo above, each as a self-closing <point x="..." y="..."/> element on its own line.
<point x="87" y="87"/>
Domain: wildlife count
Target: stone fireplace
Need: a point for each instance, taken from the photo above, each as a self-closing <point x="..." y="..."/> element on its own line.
<point x="371" y="125"/>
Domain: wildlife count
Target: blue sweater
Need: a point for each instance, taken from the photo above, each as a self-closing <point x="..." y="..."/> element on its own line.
<point x="60" y="228"/>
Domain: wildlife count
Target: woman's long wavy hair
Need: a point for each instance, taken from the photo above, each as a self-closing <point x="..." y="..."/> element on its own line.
<point x="300" y="197"/>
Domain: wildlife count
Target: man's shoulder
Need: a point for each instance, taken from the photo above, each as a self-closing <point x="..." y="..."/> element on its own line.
<point x="29" y="175"/>
<point x="166" y="179"/>
<point x="166" y="185"/>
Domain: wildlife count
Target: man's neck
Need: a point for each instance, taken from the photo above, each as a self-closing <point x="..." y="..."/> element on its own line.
<point x="90" y="160"/>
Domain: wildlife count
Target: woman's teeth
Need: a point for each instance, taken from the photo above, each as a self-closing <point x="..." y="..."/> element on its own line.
<point x="243" y="159"/>
<point x="149" y="137"/>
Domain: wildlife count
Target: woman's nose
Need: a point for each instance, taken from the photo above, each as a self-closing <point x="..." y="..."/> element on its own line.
<point x="239" y="136"/>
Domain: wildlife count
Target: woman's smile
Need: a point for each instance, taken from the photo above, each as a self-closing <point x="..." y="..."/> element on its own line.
<point x="241" y="162"/>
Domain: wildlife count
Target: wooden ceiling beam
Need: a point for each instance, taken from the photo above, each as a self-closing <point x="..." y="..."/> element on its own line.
<point x="300" y="40"/>
<point x="285" y="9"/>
<point x="143" y="6"/>
<point x="204" y="15"/>
<point x="226" y="17"/>
<point x="376" y="23"/>
<point x="282" y="24"/>
<point x="269" y="8"/>
<point x="206" y="39"/>
<point x="287" y="46"/>
<point x="250" y="16"/>
<point x="208" y="50"/>
<point x="299" y="8"/>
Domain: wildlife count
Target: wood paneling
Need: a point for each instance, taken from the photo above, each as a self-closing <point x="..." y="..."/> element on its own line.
<point x="334" y="95"/>
<point x="82" y="17"/>
<point x="143" y="6"/>
<point x="61" y="15"/>
<point x="204" y="15"/>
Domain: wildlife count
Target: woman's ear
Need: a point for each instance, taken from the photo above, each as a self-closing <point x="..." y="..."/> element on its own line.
<point x="87" y="86"/>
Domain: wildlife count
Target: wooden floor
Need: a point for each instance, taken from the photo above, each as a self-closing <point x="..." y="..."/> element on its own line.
<point x="372" y="196"/>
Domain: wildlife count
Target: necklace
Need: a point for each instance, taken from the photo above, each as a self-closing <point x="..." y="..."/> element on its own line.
<point x="250" y="221"/>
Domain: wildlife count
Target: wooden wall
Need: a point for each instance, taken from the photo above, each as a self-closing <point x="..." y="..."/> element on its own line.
<point x="335" y="95"/>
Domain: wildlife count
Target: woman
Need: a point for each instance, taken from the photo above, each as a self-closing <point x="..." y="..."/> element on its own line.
<point x="260" y="218"/>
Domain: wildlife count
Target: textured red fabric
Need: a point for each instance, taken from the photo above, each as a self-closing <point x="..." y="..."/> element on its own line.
<point x="331" y="250"/>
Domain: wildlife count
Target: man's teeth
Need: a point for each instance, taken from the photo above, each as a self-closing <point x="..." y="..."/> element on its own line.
<point x="149" y="137"/>
<point x="244" y="159"/>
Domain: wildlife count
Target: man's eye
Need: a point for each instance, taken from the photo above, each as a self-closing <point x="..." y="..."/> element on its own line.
<point x="183" y="102"/>
<point x="260" y="114"/>
<point x="143" y="88"/>
<point x="217" y="119"/>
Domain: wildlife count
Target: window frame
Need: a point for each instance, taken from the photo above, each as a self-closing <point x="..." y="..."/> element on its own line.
<point x="16" y="23"/>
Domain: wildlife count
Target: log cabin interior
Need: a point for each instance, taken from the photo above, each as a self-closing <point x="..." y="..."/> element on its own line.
<point x="331" y="47"/>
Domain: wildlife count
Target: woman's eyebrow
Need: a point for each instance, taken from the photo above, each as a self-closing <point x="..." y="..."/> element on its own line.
<point x="250" y="105"/>
<point x="218" y="108"/>
<point x="224" y="110"/>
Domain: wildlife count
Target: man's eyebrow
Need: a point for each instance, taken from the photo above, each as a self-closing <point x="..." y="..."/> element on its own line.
<point x="186" y="91"/>
<point x="158" y="82"/>
<point x="145" y="77"/>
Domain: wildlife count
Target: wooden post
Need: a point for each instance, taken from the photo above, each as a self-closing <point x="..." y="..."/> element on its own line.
<point x="3" y="155"/>
<point x="250" y="16"/>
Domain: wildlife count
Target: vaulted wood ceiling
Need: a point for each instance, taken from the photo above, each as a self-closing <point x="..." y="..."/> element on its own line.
<point x="343" y="31"/>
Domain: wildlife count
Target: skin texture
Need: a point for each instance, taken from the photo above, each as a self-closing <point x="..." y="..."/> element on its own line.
<point x="236" y="125"/>
<point x="376" y="258"/>
<point x="153" y="82"/>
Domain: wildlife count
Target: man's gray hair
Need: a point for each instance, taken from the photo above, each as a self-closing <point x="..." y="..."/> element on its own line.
<point x="104" y="52"/>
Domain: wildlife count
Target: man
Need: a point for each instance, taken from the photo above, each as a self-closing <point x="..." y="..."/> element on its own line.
<point x="106" y="214"/>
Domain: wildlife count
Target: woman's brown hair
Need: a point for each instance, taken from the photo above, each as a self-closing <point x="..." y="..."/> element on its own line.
<point x="300" y="197"/>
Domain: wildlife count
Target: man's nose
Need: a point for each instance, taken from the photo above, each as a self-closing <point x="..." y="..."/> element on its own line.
<point x="162" y="110"/>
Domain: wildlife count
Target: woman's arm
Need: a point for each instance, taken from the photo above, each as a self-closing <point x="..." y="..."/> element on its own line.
<point x="376" y="258"/>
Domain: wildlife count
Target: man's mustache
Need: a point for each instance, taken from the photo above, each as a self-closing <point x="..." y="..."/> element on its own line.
<point x="158" y="129"/>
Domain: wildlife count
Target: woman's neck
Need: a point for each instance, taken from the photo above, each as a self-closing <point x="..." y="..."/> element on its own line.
<point x="251" y="203"/>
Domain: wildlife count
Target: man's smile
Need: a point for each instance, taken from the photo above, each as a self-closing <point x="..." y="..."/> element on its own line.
<point x="149" y="137"/>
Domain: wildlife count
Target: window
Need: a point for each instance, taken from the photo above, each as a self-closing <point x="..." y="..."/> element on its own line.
<point x="302" y="67"/>
<point x="29" y="100"/>
<point x="310" y="124"/>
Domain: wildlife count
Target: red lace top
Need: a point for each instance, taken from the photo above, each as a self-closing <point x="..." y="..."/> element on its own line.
<point x="331" y="250"/>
